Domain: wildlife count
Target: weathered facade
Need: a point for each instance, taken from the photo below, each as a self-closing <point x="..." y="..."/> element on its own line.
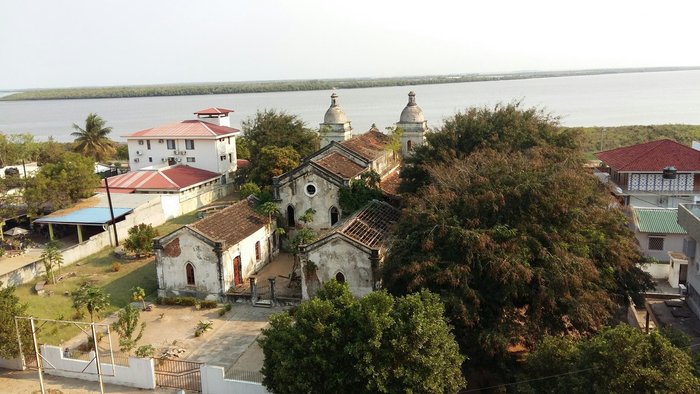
<point x="316" y="182"/>
<point x="207" y="258"/>
<point x="352" y="253"/>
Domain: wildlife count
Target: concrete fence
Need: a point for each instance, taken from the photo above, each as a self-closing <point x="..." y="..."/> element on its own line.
<point x="140" y="373"/>
<point x="15" y="363"/>
<point x="213" y="382"/>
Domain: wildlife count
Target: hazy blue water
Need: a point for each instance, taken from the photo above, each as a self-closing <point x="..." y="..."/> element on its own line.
<point x="602" y="100"/>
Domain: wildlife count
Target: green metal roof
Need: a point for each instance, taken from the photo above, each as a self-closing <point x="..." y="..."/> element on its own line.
<point x="659" y="221"/>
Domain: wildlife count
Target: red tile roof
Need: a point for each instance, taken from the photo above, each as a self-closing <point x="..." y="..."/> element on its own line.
<point x="369" y="145"/>
<point x="213" y="111"/>
<point x="172" y="179"/>
<point x="231" y="225"/>
<point x="186" y="129"/>
<point x="340" y="165"/>
<point x="390" y="183"/>
<point x="652" y="156"/>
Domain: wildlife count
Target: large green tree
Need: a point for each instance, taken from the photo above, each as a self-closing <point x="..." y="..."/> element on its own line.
<point x="336" y="343"/>
<point x="61" y="184"/>
<point x="10" y="306"/>
<point x="517" y="239"/>
<point x="273" y="161"/>
<point x="618" y="360"/>
<point x="272" y="135"/>
<point x="93" y="140"/>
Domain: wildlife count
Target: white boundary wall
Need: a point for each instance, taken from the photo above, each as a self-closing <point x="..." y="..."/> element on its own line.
<point x="15" y="363"/>
<point x="140" y="372"/>
<point x="213" y="382"/>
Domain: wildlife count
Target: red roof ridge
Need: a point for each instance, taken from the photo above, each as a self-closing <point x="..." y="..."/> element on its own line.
<point x="652" y="145"/>
<point x="167" y="178"/>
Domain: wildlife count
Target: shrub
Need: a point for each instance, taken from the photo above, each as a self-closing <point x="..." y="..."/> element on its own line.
<point x="145" y="351"/>
<point x="181" y="301"/>
<point x="202" y="327"/>
<point x="116" y="267"/>
<point x="226" y="308"/>
<point x="206" y="304"/>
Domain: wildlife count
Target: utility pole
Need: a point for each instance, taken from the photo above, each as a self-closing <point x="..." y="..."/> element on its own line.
<point x="111" y="212"/>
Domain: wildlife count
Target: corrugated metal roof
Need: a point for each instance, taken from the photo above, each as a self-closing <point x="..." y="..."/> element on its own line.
<point x="96" y="216"/>
<point x="659" y="221"/>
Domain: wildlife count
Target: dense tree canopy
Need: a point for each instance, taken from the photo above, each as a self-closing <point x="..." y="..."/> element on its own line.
<point x="272" y="135"/>
<point x="93" y="140"/>
<point x="618" y="360"/>
<point x="273" y="161"/>
<point x="336" y="343"/>
<point x="140" y="240"/>
<point x="518" y="240"/>
<point x="61" y="184"/>
<point x="360" y="191"/>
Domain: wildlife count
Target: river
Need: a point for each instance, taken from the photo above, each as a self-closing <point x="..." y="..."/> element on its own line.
<point x="595" y="100"/>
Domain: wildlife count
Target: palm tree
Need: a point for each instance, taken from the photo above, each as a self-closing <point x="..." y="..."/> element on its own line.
<point x="93" y="141"/>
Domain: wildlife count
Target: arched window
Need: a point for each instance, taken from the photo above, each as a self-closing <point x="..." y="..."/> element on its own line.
<point x="409" y="145"/>
<point x="340" y="277"/>
<point x="334" y="215"/>
<point x="290" y="216"/>
<point x="189" y="269"/>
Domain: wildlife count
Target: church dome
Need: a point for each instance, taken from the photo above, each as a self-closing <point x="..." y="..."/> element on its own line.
<point x="412" y="113"/>
<point x="335" y="114"/>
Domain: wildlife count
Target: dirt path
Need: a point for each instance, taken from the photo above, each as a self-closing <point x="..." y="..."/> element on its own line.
<point x="21" y="382"/>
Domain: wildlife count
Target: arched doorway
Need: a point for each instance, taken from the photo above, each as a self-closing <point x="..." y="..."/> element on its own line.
<point x="189" y="271"/>
<point x="290" y="216"/>
<point x="335" y="215"/>
<point x="237" y="271"/>
<point x="340" y="277"/>
<point x="409" y="145"/>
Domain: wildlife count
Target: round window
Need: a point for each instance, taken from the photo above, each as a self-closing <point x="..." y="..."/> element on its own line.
<point x="310" y="190"/>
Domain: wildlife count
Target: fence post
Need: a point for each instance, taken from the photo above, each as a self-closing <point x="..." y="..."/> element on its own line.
<point x="253" y="290"/>
<point x="272" y="288"/>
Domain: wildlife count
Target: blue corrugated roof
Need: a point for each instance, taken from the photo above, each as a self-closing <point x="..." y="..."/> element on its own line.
<point x="89" y="216"/>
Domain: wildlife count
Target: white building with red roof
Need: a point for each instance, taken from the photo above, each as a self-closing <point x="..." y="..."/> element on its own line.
<point x="208" y="143"/>
<point x="661" y="173"/>
<point x="182" y="188"/>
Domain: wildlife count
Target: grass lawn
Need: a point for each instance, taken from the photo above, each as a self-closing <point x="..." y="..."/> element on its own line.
<point x="97" y="269"/>
<point x="174" y="224"/>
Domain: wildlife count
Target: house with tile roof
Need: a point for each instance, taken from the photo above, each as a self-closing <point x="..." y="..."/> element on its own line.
<point x="351" y="253"/>
<point x="207" y="258"/>
<point x="660" y="236"/>
<point x="635" y="173"/>
<point x="316" y="182"/>
<point x="207" y="142"/>
<point x="182" y="188"/>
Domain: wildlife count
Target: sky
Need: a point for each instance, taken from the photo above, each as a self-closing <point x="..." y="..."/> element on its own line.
<point x="72" y="43"/>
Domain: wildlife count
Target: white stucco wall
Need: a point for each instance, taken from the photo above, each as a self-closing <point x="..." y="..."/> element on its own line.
<point x="293" y="193"/>
<point x="213" y="382"/>
<point x="170" y="269"/>
<point x="206" y="153"/>
<point x="339" y="255"/>
<point x="140" y="372"/>
<point x="246" y="249"/>
<point x="672" y="243"/>
<point x="659" y="201"/>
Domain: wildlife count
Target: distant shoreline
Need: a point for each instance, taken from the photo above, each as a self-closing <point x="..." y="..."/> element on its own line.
<point x="302" y="85"/>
